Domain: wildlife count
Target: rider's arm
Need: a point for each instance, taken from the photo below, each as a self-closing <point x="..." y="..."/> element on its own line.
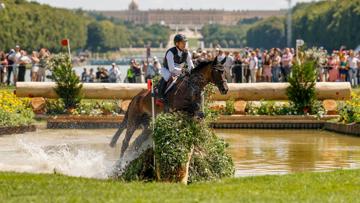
<point x="189" y="62"/>
<point x="171" y="64"/>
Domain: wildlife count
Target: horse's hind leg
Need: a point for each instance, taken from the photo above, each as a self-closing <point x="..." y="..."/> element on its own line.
<point x="143" y="136"/>
<point x="129" y="132"/>
<point x="118" y="133"/>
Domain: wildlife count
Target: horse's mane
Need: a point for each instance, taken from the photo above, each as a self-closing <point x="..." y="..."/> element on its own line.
<point x="200" y="64"/>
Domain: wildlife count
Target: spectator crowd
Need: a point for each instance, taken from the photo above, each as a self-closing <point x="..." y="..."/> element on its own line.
<point x="242" y="66"/>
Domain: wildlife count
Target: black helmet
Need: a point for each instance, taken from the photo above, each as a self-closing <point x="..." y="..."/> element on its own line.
<point x="179" y="38"/>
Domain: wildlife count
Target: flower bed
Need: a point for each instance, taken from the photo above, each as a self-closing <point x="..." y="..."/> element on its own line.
<point x="350" y="110"/>
<point x="14" y="111"/>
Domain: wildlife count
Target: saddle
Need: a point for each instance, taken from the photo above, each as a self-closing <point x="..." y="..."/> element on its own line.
<point x="172" y="83"/>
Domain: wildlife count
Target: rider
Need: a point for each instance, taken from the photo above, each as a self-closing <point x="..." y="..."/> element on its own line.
<point x="175" y="60"/>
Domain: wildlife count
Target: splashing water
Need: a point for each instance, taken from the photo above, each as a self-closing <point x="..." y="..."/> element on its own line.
<point x="65" y="160"/>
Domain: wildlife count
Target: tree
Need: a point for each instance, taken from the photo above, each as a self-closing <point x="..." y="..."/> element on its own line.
<point x="267" y="33"/>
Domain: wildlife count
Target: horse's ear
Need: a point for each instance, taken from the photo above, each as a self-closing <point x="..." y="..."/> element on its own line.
<point x="215" y="61"/>
<point x="223" y="61"/>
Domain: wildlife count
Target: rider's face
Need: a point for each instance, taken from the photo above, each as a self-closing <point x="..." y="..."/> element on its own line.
<point x="181" y="45"/>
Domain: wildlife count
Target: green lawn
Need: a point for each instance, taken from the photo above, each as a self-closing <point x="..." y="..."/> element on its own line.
<point x="338" y="186"/>
<point x="357" y="90"/>
<point x="10" y="88"/>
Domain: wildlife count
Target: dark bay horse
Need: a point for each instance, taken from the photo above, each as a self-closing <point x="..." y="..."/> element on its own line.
<point x="185" y="96"/>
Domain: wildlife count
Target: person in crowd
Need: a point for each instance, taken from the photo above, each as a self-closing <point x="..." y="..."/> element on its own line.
<point x="275" y="65"/>
<point x="104" y="75"/>
<point x="84" y="76"/>
<point x="44" y="55"/>
<point x="246" y="70"/>
<point x="286" y="61"/>
<point x="13" y="59"/>
<point x="229" y="62"/>
<point x="10" y="67"/>
<point x="266" y="66"/>
<point x="115" y="74"/>
<point x="259" y="72"/>
<point x="35" y="66"/>
<point x="22" y="62"/>
<point x="143" y="69"/>
<point x="353" y="62"/>
<point x="3" y="66"/>
<point x="136" y="71"/>
<point x="153" y="69"/>
<point x="333" y="68"/>
<point x="344" y="69"/>
<point x="98" y="73"/>
<point x="253" y="66"/>
<point x="237" y="71"/>
<point x="92" y="76"/>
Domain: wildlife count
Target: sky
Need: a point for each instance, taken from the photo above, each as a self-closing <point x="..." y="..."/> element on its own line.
<point x="173" y="4"/>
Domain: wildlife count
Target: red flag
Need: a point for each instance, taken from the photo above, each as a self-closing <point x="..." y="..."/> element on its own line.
<point x="65" y="42"/>
<point x="149" y="84"/>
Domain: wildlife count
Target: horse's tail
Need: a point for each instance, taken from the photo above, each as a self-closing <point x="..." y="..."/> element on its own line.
<point x="120" y="130"/>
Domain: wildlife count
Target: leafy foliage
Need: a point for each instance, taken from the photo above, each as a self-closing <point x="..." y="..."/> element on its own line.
<point x="350" y="110"/>
<point x="324" y="23"/>
<point x="225" y="36"/>
<point x="301" y="91"/>
<point x="34" y="26"/>
<point x="175" y="136"/>
<point x="14" y="111"/>
<point x="267" y="33"/>
<point x="68" y="86"/>
<point x="85" y="107"/>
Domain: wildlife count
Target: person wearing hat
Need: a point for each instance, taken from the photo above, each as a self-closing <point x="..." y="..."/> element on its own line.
<point x="153" y="69"/>
<point x="176" y="59"/>
<point x="115" y="74"/>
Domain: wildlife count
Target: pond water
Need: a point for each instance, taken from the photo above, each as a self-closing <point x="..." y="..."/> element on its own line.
<point x="255" y="152"/>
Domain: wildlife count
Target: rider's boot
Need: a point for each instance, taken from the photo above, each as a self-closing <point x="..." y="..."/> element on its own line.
<point x="161" y="92"/>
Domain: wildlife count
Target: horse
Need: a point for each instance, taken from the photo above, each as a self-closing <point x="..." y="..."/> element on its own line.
<point x="184" y="96"/>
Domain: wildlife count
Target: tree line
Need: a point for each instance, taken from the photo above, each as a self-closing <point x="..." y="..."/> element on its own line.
<point x="33" y="25"/>
<point x="330" y="24"/>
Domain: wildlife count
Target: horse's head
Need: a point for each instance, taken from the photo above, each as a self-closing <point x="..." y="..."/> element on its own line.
<point x="218" y="76"/>
<point x="213" y="72"/>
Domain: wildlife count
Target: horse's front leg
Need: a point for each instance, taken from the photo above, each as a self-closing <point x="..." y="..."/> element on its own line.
<point x="197" y="107"/>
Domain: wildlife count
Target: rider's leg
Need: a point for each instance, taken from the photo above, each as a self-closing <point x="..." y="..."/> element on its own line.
<point x="165" y="73"/>
<point x="161" y="89"/>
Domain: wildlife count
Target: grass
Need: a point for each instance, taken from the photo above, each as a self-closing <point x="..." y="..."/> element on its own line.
<point x="9" y="88"/>
<point x="357" y="90"/>
<point x="337" y="186"/>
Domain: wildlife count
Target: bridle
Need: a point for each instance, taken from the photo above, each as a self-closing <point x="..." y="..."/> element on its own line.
<point x="218" y="68"/>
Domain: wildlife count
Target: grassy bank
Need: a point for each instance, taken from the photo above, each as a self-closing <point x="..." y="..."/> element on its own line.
<point x="338" y="186"/>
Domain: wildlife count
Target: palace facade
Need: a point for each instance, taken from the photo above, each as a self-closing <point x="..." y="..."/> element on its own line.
<point x="190" y="17"/>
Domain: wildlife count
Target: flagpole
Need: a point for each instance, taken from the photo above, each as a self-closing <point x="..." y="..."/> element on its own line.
<point x="150" y="83"/>
<point x="68" y="46"/>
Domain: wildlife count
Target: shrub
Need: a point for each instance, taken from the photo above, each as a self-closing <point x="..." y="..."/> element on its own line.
<point x="85" y="107"/>
<point x="301" y="91"/>
<point x="229" y="107"/>
<point x="68" y="86"/>
<point x="350" y="110"/>
<point x="176" y="135"/>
